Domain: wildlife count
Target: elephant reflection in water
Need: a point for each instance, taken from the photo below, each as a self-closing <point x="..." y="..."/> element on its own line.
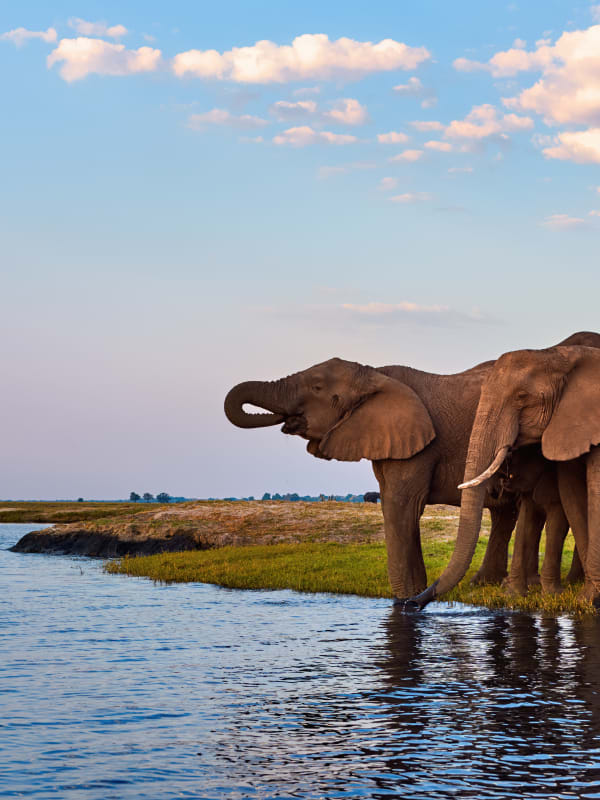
<point x="492" y="694"/>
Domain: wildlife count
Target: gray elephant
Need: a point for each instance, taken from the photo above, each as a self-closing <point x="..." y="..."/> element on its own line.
<point x="533" y="479"/>
<point x="550" y="397"/>
<point x="414" y="426"/>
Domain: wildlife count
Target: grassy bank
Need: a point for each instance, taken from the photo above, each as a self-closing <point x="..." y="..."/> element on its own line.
<point x="334" y="567"/>
<point x="58" y="512"/>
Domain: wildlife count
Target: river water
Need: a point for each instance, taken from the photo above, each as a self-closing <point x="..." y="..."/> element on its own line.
<point x="113" y="687"/>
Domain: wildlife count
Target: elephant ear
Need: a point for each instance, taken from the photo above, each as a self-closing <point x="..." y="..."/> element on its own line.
<point x="575" y="424"/>
<point x="391" y="422"/>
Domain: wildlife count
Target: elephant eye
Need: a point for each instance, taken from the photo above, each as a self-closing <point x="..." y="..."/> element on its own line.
<point x="522" y="395"/>
<point x="317" y="388"/>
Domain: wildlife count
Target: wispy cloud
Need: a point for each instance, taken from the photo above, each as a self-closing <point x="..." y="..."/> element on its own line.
<point x="415" y="88"/>
<point x="305" y="135"/>
<point x="346" y="111"/>
<point x="19" y="36"/>
<point x="309" y="57"/>
<point x="485" y="121"/>
<point x="342" y="169"/>
<point x="220" y="116"/>
<point x="408" y="156"/>
<point x="442" y="147"/>
<point x="83" y="56"/>
<point x="427" y="125"/>
<point x="97" y="28"/>
<point x="393" y="137"/>
<point x="390" y="313"/>
<point x="564" y="222"/>
<point x="388" y="184"/>
<point x="409" y="198"/>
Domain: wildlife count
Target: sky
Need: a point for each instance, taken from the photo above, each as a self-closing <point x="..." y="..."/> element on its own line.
<point x="198" y="194"/>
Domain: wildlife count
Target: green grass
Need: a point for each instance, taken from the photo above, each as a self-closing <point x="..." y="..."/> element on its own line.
<point x="333" y="567"/>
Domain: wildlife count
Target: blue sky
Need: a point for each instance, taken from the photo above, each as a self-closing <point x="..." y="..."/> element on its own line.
<point x="180" y="214"/>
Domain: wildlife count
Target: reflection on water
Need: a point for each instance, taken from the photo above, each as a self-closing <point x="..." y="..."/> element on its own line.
<point x="117" y="688"/>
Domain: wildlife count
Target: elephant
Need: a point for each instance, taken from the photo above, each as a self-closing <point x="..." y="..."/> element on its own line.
<point x="371" y="497"/>
<point x="551" y="397"/>
<point x="414" y="426"/>
<point x="528" y="474"/>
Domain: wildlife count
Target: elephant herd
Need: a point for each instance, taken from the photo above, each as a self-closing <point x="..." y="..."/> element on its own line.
<point x="517" y="436"/>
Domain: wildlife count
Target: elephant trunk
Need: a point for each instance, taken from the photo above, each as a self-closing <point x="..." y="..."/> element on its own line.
<point x="259" y="393"/>
<point x="491" y="439"/>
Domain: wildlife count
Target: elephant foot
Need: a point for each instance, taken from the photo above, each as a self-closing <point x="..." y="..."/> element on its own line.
<point x="589" y="594"/>
<point x="487" y="576"/>
<point x="575" y="575"/>
<point x="517" y="587"/>
<point x="552" y="586"/>
<point x="534" y="580"/>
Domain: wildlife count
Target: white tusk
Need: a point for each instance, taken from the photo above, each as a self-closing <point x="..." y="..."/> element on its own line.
<point x="494" y="467"/>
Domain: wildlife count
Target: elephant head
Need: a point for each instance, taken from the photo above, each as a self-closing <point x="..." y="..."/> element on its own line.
<point x="347" y="411"/>
<point x="550" y="396"/>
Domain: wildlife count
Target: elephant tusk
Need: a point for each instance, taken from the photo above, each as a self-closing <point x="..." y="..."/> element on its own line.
<point x="493" y="468"/>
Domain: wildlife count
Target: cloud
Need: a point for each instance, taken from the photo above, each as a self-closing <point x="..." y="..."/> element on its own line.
<point x="595" y="12"/>
<point x="408" y="198"/>
<point x="346" y="111"/>
<point x="390" y="313"/>
<point x="408" y="155"/>
<point x="309" y="57"/>
<point x="568" y="91"/>
<point x="563" y="222"/>
<point x="340" y="169"/>
<point x="306" y="91"/>
<point x="219" y="116"/>
<point x="483" y="121"/>
<point x="21" y="35"/>
<point x="305" y="135"/>
<point x="387" y="184"/>
<point x="443" y="147"/>
<point x="97" y="28"/>
<point x="457" y="170"/>
<point x="427" y="125"/>
<point x="583" y="147"/>
<point x="415" y="88"/>
<point x="594" y="213"/>
<point x="393" y="137"/>
<point x="83" y="56"/>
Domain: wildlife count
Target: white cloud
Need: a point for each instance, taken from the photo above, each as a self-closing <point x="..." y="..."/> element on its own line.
<point x="387" y="184"/>
<point x="305" y="135"/>
<point x="393" y="137"/>
<point x="307" y="91"/>
<point x="20" y="35"/>
<point x="427" y="125"/>
<point x="563" y="222"/>
<point x="389" y="308"/>
<point x="594" y="213"/>
<point x="583" y="147"/>
<point x="220" y="116"/>
<point x="443" y="147"/>
<point x="595" y="11"/>
<point x="346" y="111"/>
<point x="521" y="44"/>
<point x="97" y="28"/>
<point x="408" y="155"/>
<point x="458" y="170"/>
<point x="392" y="313"/>
<point x="83" y="56"/>
<point x="408" y="198"/>
<point x="483" y="121"/>
<point x="415" y="88"/>
<point x="340" y="169"/>
<point x="310" y="56"/>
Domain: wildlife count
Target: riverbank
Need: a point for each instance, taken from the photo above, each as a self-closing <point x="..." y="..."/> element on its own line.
<point x="67" y="511"/>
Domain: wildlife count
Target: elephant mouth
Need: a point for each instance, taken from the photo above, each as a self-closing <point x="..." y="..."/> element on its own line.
<point x="295" y="425"/>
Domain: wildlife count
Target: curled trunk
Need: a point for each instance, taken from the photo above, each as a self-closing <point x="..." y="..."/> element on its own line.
<point x="258" y="393"/>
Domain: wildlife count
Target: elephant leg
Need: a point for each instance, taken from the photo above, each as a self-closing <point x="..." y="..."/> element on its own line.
<point x="591" y="587"/>
<point x="402" y="506"/>
<point x="557" y="527"/>
<point x="495" y="560"/>
<point x="573" y="497"/>
<point x="575" y="574"/>
<point x="527" y="536"/>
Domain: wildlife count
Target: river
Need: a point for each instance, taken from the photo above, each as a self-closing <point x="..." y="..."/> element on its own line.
<point x="113" y="687"/>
